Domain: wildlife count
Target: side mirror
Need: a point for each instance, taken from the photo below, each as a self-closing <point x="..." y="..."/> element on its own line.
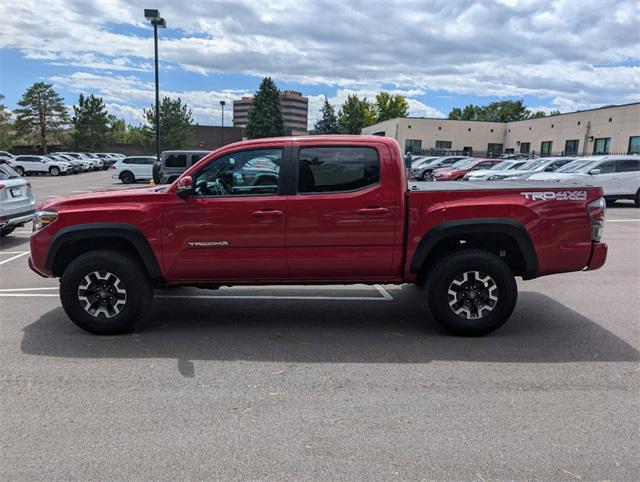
<point x="185" y="186"/>
<point x="597" y="170"/>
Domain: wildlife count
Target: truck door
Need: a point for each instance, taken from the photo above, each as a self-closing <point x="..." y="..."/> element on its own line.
<point x="232" y="226"/>
<point x="343" y="219"/>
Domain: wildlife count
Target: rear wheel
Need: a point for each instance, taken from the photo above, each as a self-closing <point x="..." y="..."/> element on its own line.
<point x="6" y="231"/>
<point x="426" y="176"/>
<point x="54" y="171"/>
<point x="471" y="292"/>
<point x="127" y="177"/>
<point x="105" y="292"/>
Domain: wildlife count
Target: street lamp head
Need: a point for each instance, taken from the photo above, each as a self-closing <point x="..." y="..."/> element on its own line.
<point x="222" y="103"/>
<point x="161" y="23"/>
<point x="151" y="14"/>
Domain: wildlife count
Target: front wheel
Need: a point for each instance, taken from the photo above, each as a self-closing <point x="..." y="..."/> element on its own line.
<point x="471" y="292"/>
<point x="54" y="171"/>
<point x="105" y="292"/>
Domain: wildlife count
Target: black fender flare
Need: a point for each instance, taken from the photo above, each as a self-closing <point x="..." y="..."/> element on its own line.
<point x="102" y="230"/>
<point x="506" y="226"/>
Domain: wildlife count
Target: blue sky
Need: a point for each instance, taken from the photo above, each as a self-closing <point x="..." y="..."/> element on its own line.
<point x="564" y="55"/>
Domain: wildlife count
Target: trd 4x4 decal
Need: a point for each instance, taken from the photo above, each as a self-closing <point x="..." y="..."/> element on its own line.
<point x="555" y="196"/>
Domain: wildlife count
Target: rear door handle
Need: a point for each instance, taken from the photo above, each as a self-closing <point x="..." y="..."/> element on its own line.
<point x="372" y="211"/>
<point x="262" y="213"/>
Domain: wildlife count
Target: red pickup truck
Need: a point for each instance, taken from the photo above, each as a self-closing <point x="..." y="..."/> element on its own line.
<point x="314" y="210"/>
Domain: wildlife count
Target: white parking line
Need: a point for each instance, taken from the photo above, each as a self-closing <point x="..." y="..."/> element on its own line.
<point x="80" y="192"/>
<point x="9" y="290"/>
<point x="622" y="221"/>
<point x="11" y="252"/>
<point x="14" y="257"/>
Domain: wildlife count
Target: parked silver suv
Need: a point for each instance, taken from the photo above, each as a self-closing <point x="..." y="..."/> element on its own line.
<point x="17" y="203"/>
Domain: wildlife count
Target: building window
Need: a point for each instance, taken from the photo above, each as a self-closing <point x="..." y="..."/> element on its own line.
<point x="610" y="119"/>
<point x="545" y="148"/>
<point x="443" y="144"/>
<point x="413" y="146"/>
<point x="571" y="146"/>
<point x="634" y="145"/>
<point x="602" y="145"/>
<point x="494" y="149"/>
<point x="467" y="149"/>
<point x="552" y="126"/>
<point x="508" y="150"/>
<point x="525" y="147"/>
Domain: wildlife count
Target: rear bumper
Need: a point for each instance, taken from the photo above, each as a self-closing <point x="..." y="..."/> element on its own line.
<point x="598" y="256"/>
<point x="16" y="219"/>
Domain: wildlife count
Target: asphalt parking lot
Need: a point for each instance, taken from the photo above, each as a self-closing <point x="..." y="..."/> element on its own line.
<point x="323" y="382"/>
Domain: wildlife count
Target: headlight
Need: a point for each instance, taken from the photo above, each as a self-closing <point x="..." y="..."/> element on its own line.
<point x="43" y="218"/>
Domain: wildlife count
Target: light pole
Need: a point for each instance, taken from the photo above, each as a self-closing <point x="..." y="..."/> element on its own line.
<point x="222" y="104"/>
<point x="158" y="22"/>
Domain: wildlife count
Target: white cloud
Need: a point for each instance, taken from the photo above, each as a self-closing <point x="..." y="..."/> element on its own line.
<point x="582" y="53"/>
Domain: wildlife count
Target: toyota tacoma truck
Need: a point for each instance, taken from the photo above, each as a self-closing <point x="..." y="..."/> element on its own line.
<point x="314" y="210"/>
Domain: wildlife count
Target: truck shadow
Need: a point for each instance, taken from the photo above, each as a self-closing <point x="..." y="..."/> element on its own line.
<point x="402" y="331"/>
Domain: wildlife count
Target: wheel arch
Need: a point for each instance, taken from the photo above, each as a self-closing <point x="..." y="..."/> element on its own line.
<point x="494" y="234"/>
<point x="72" y="241"/>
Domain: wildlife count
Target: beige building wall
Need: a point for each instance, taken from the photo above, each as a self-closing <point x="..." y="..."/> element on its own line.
<point x="618" y="123"/>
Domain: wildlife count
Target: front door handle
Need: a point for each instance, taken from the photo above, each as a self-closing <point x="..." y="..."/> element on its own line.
<point x="262" y="213"/>
<point x="372" y="211"/>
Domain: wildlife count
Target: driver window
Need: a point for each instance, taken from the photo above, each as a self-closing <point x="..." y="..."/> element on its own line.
<point x="244" y="173"/>
<point x="607" y="167"/>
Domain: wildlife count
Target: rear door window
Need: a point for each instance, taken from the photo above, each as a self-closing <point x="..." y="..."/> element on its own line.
<point x="337" y="169"/>
<point x="628" y="165"/>
<point x="176" y="160"/>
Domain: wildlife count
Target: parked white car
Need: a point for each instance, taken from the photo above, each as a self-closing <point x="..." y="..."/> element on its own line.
<point x="543" y="164"/>
<point x="96" y="164"/>
<point x="6" y="155"/>
<point x="618" y="176"/>
<point x="133" y="168"/>
<point x="485" y="174"/>
<point x="39" y="165"/>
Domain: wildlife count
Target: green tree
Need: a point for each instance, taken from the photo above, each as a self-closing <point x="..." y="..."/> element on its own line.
<point x="388" y="106"/>
<point x="142" y="135"/>
<point x="175" y="125"/>
<point x="501" y="111"/>
<point x="329" y="122"/>
<point x="554" y="112"/>
<point x="354" y="114"/>
<point x="537" y="115"/>
<point x="117" y="130"/>
<point x="456" y="113"/>
<point x="41" y="114"/>
<point x="91" y="123"/>
<point x="6" y="127"/>
<point x="265" y="118"/>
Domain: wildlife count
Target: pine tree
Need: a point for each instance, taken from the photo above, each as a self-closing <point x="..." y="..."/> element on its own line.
<point x="265" y="118"/>
<point x="41" y="114"/>
<point x="354" y="114"/>
<point x="175" y="125"/>
<point x="90" y="122"/>
<point x="329" y="122"/>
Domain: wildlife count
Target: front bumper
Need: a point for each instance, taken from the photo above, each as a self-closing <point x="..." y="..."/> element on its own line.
<point x="598" y="256"/>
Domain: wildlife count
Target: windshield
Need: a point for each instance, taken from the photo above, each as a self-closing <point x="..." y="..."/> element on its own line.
<point x="532" y="165"/>
<point x="576" y="166"/>
<point x="464" y="163"/>
<point x="7" y="173"/>
<point x="502" y="166"/>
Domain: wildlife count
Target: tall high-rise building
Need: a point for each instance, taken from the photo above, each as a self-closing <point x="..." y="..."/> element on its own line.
<point x="295" y="112"/>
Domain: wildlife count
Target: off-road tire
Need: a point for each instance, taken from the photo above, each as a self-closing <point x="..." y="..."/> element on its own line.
<point x="127" y="177"/>
<point x="452" y="267"/>
<point x="134" y="280"/>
